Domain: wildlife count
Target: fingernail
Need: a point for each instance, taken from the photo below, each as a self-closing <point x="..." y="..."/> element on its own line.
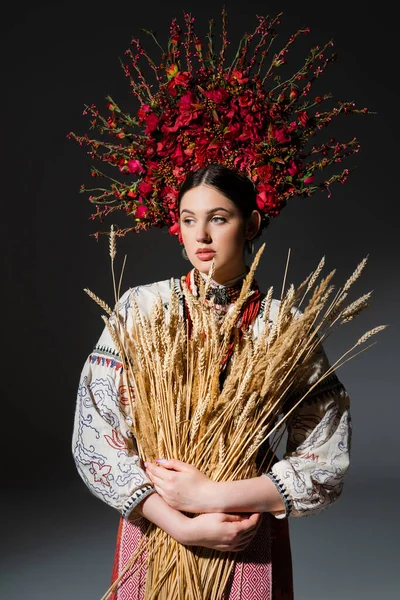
<point x="161" y="460"/>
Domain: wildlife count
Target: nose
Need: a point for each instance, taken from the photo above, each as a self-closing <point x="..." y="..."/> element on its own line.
<point x="202" y="234"/>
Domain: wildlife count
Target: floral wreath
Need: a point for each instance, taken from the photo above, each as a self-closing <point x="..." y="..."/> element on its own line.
<point x="243" y="116"/>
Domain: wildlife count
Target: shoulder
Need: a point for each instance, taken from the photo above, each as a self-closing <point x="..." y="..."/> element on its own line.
<point x="145" y="295"/>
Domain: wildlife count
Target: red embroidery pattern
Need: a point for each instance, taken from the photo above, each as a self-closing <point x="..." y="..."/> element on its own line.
<point x="116" y="440"/>
<point x="99" y="476"/>
<point x="102" y="360"/>
<point x="313" y="456"/>
<point x="123" y="394"/>
<point x="262" y="572"/>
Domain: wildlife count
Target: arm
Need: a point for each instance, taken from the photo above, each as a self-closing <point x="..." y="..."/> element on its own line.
<point x="308" y="478"/>
<point x="106" y="458"/>
<point x="219" y="531"/>
<point x="103" y="447"/>
<point x="185" y="488"/>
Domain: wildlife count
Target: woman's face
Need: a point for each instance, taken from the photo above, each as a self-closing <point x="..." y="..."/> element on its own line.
<point x="213" y="227"/>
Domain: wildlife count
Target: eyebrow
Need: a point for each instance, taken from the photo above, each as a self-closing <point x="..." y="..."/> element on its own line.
<point x="208" y="212"/>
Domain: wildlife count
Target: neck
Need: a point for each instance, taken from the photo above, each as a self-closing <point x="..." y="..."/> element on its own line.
<point x="229" y="282"/>
<point x="229" y="273"/>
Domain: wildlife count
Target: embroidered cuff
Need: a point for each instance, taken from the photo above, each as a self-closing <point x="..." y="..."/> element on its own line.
<point x="134" y="500"/>
<point x="283" y="494"/>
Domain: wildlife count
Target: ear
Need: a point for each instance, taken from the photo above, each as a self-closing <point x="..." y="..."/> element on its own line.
<point x="253" y="224"/>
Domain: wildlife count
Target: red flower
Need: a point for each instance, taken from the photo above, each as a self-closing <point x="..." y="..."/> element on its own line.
<point x="151" y="123"/>
<point x="140" y="211"/>
<point x="142" y="112"/>
<point x="303" y="117"/>
<point x="171" y="71"/>
<point x="177" y="156"/>
<point x="281" y="135"/>
<point x="294" y="168"/>
<point x="181" y="78"/>
<point x="238" y="76"/>
<point x="309" y="179"/>
<point x="266" y="197"/>
<point x="174" y="229"/>
<point x="218" y="96"/>
<point x="265" y="172"/>
<point x="170" y="195"/>
<point x="234" y="130"/>
<point x="187" y="111"/>
<point x="145" y="188"/>
<point x="135" y="167"/>
<point x="246" y="99"/>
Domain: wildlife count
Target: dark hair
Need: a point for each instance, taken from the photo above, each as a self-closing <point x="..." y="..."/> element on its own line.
<point x="237" y="188"/>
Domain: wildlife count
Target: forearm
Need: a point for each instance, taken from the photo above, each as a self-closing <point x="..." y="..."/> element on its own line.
<point x="172" y="521"/>
<point x="258" y="494"/>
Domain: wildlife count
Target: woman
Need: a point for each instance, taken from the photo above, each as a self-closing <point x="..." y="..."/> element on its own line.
<point x="218" y="220"/>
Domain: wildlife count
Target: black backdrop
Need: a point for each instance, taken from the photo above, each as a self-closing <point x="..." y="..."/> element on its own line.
<point x="57" y="56"/>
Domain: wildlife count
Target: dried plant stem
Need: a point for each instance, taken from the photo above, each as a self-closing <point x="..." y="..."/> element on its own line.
<point x="179" y="409"/>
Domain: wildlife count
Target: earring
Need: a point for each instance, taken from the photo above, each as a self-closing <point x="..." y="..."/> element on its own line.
<point x="250" y="246"/>
<point x="184" y="254"/>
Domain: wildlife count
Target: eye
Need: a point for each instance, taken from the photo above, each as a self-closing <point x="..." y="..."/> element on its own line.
<point x="219" y="219"/>
<point x="187" y="221"/>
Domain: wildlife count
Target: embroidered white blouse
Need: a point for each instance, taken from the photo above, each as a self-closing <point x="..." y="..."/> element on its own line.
<point x="309" y="477"/>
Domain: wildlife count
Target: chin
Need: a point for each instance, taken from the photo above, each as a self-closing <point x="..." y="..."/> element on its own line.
<point x="202" y="266"/>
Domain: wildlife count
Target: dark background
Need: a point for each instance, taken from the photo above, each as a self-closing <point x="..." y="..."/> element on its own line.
<point x="58" y="540"/>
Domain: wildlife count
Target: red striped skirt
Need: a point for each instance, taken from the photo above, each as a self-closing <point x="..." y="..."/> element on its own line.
<point x="263" y="571"/>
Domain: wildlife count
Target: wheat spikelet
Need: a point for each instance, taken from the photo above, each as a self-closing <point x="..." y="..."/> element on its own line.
<point x="112" y="243"/>
<point x="355" y="307"/>
<point x="369" y="334"/>
<point x="99" y="301"/>
<point x="319" y="291"/>
<point x="356" y="274"/>
<point x="258" y="438"/>
<point x="173" y="310"/>
<point x="285" y="308"/>
<point x="200" y="410"/>
<point x="221" y="450"/>
<point x="114" y="337"/>
<point x="337" y="305"/>
<point x="249" y="406"/>
<point x="267" y="305"/>
<point x="245" y="293"/>
<point x="301" y="287"/>
<point x="316" y="274"/>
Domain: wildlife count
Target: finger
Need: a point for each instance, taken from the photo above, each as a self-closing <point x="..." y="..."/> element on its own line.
<point x="249" y="525"/>
<point x="172" y="464"/>
<point x="156" y="480"/>
<point x="155" y="470"/>
<point x="160" y="491"/>
<point x="255" y="518"/>
<point x="232" y="518"/>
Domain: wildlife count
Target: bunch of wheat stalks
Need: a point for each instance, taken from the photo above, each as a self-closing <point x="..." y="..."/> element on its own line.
<point x="180" y="411"/>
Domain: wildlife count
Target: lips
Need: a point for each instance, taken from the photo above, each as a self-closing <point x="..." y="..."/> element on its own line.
<point x="205" y="254"/>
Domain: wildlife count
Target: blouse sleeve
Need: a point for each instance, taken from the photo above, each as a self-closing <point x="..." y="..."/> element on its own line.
<point x="103" y="446"/>
<point x="311" y="474"/>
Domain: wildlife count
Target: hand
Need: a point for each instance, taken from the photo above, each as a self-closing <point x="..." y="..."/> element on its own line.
<point x="223" y="532"/>
<point x="181" y="485"/>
